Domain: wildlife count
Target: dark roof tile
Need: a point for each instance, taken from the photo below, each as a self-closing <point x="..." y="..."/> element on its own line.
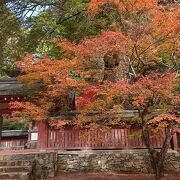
<point x="8" y="86"/>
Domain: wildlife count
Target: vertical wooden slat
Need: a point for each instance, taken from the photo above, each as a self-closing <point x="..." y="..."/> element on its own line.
<point x="127" y="138"/>
<point x="117" y="138"/>
<point x="42" y="135"/>
<point x="174" y="141"/>
<point x="1" y="124"/>
<point x="13" y="142"/>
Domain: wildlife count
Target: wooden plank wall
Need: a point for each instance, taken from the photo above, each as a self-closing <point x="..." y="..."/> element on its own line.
<point x="13" y="142"/>
<point x="116" y="138"/>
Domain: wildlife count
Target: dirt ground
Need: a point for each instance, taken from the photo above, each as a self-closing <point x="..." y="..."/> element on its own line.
<point x="110" y="176"/>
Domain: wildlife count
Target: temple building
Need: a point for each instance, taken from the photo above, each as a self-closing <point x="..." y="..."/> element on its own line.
<point x="8" y="89"/>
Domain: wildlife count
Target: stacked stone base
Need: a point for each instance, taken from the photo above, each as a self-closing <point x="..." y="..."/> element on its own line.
<point x="130" y="161"/>
<point x="47" y="164"/>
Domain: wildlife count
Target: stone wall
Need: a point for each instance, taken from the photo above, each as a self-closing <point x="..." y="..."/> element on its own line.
<point x="134" y="161"/>
<point x="45" y="165"/>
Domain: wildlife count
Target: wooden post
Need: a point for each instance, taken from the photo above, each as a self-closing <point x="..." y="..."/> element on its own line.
<point x="174" y="143"/>
<point x="1" y="124"/>
<point x="42" y="135"/>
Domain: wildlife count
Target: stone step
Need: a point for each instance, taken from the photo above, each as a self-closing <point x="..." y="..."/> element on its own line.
<point x="12" y="179"/>
<point x="5" y="169"/>
<point x="17" y="163"/>
<point x="15" y="175"/>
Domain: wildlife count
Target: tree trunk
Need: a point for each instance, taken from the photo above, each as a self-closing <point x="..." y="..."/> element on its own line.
<point x="163" y="152"/>
<point x="158" y="165"/>
<point x="157" y="157"/>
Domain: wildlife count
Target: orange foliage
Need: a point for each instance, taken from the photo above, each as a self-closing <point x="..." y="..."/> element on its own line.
<point x="53" y="81"/>
<point x="151" y="95"/>
<point x="88" y="96"/>
<point x="29" y="111"/>
<point x="98" y="46"/>
<point x="149" y="30"/>
<point x="146" y="31"/>
<point x="154" y="89"/>
<point x="123" y="5"/>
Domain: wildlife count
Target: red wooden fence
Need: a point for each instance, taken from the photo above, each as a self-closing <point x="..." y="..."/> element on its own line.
<point x="13" y="142"/>
<point x="73" y="139"/>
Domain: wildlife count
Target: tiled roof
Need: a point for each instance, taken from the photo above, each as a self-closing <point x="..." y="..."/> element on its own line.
<point x="8" y="86"/>
<point x="12" y="133"/>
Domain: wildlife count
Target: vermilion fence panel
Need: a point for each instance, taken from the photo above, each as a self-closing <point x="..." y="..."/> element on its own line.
<point x="13" y="142"/>
<point x="115" y="138"/>
<point x="56" y="138"/>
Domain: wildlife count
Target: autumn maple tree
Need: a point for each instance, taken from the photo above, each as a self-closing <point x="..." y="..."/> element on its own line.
<point x="157" y="104"/>
<point x="131" y="65"/>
